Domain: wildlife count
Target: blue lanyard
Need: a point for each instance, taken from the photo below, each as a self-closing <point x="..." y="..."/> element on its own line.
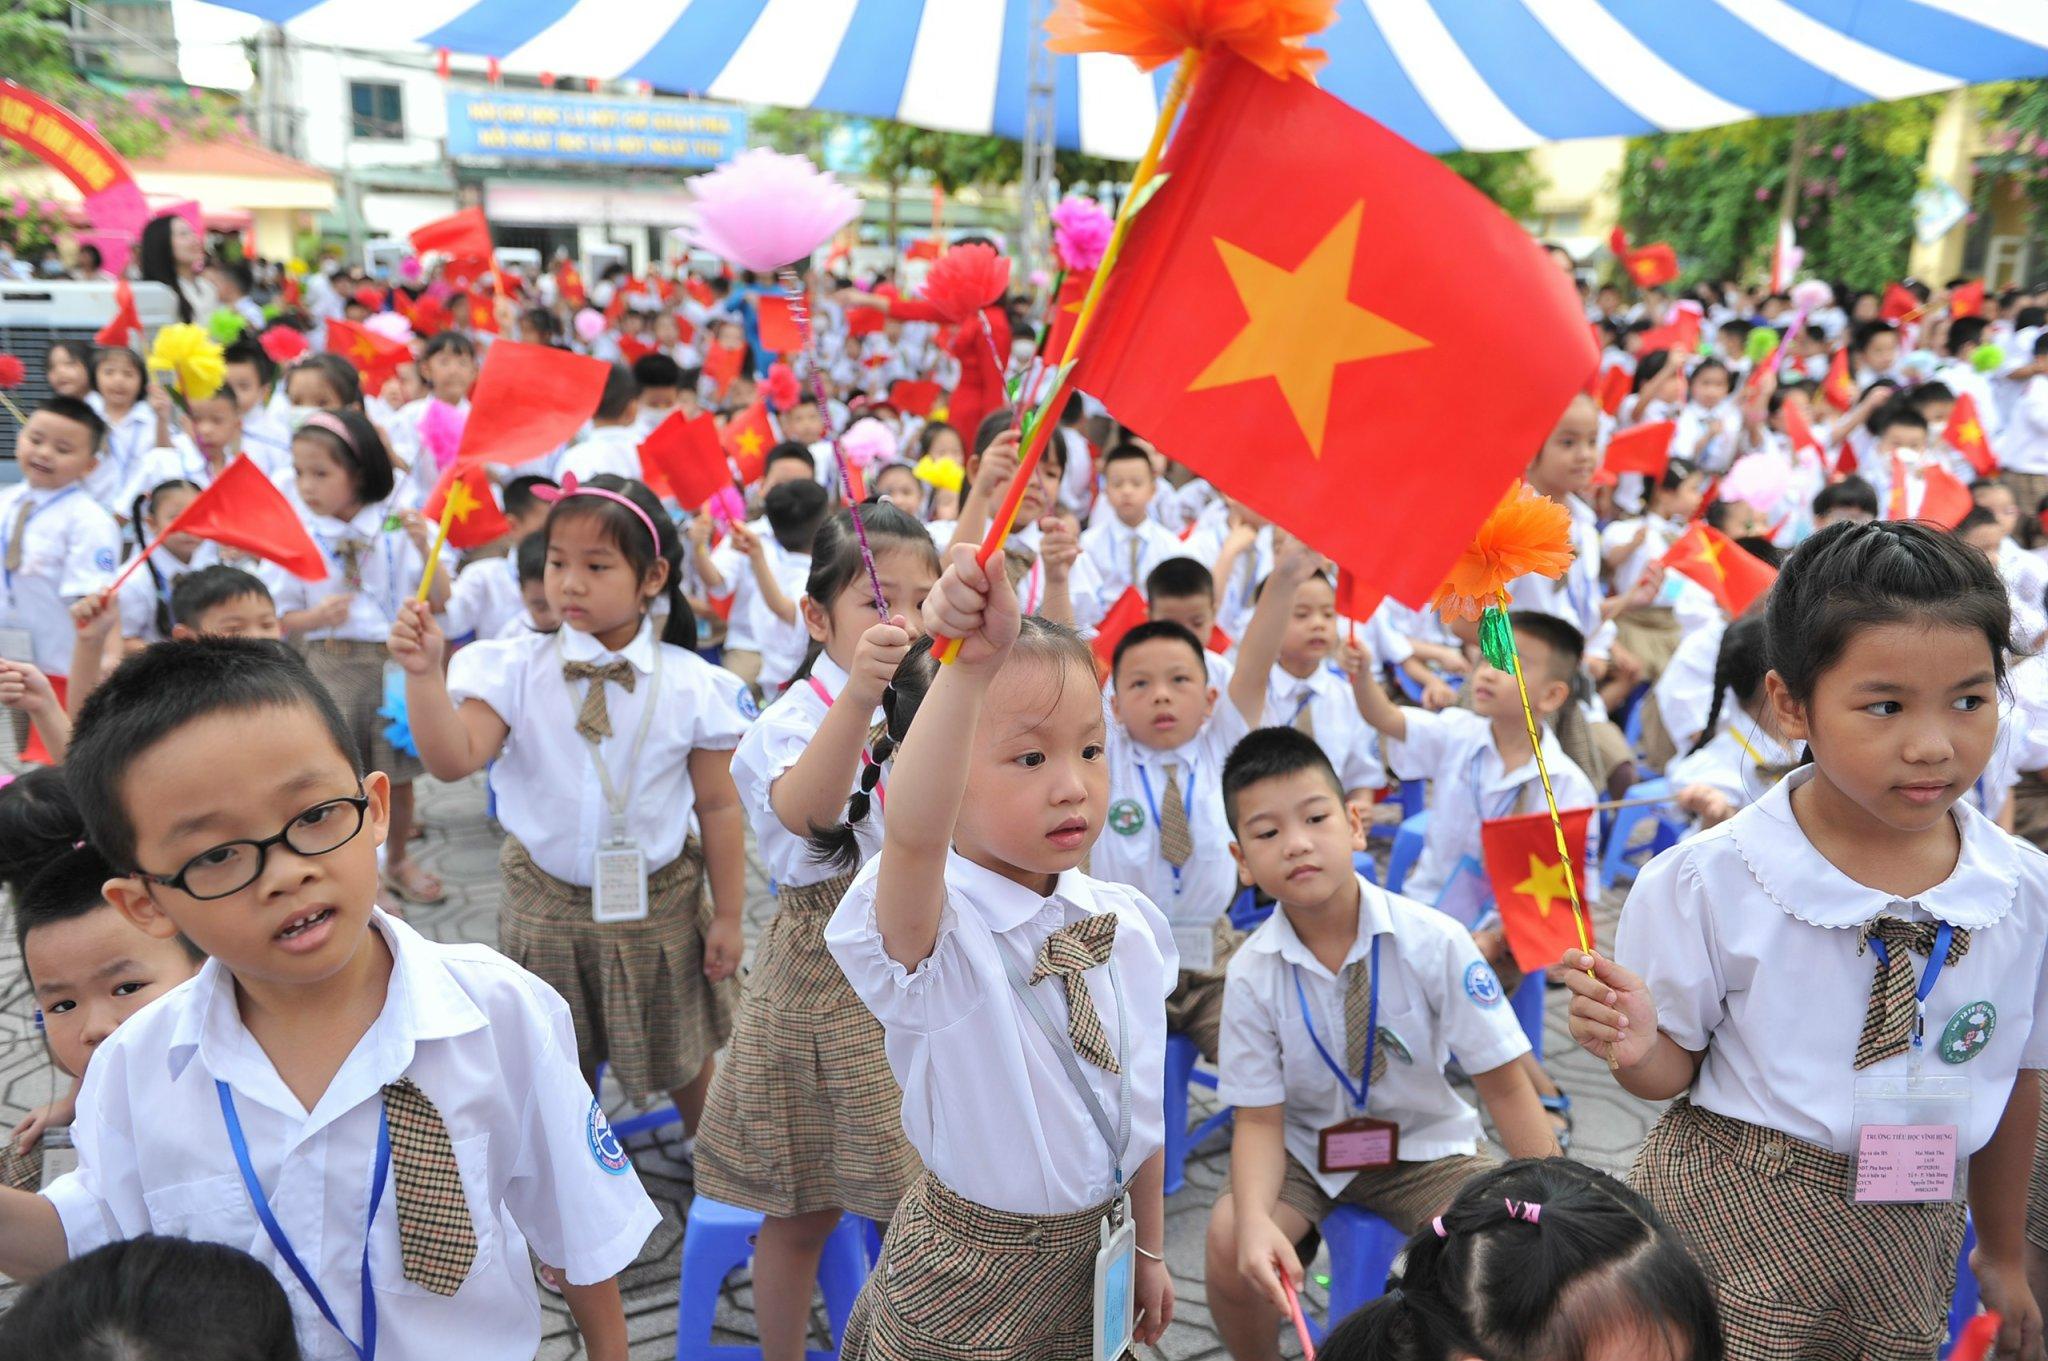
<point x="1935" y="960"/>
<point x="1359" y="1093"/>
<point x="1187" y="802"/>
<point x="368" y="1350"/>
<point x="7" y="531"/>
<point x="1472" y="778"/>
<point x="1307" y="697"/>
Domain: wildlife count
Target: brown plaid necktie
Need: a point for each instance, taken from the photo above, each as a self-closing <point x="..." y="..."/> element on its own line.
<point x="1305" y="713"/>
<point x="17" y="531"/>
<point x="436" y="1237"/>
<point x="1175" y="842"/>
<point x="349" y="553"/>
<point x="1888" y="1023"/>
<point x="1358" y="1019"/>
<point x="1133" y="541"/>
<point x="594" y="721"/>
<point x="1067" y="954"/>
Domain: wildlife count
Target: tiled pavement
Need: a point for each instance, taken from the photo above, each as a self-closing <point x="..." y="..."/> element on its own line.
<point x="463" y="849"/>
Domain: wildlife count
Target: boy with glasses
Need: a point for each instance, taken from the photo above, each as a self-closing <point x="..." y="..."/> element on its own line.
<point x="382" y="1120"/>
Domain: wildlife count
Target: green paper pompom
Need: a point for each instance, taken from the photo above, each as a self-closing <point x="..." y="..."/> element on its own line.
<point x="226" y="326"/>
<point x="1762" y="341"/>
<point x="1987" y="358"/>
<point x="1497" y="639"/>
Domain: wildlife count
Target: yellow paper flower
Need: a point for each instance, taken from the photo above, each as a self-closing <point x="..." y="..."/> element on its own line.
<point x="1525" y="533"/>
<point x="192" y="358"/>
<point x="296" y="267"/>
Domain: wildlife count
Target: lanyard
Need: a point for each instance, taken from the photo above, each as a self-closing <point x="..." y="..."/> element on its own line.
<point x="615" y="797"/>
<point x="825" y="697"/>
<point x="1308" y="695"/>
<point x="7" y="530"/>
<point x="367" y="1351"/>
<point x="1187" y="803"/>
<point x="1359" y="1093"/>
<point x="1513" y="796"/>
<point x="1935" y="960"/>
<point x="1117" y="1136"/>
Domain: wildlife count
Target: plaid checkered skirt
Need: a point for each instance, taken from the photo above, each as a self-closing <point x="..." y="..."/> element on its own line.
<point x="636" y="990"/>
<point x="20" y="1171"/>
<point x="804" y="1113"/>
<point x="2037" y="1187"/>
<point x="1799" y="1271"/>
<point x="962" y="1282"/>
<point x="1404" y="1195"/>
<point x="353" y="672"/>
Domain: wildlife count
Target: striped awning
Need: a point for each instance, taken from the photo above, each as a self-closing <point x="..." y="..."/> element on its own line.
<point x="1481" y="75"/>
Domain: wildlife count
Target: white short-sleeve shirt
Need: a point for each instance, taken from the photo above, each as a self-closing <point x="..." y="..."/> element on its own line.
<point x="549" y="794"/>
<point x="613" y="449"/>
<point x="389" y="567"/>
<point x="771" y="746"/>
<point x="70" y="547"/>
<point x="488" y="1043"/>
<point x="1747" y="938"/>
<point x="485" y="598"/>
<point x="1111" y="545"/>
<point x="1734" y="762"/>
<point x="1685" y="691"/>
<point x="987" y="1103"/>
<point x="1352" y="745"/>
<point x="1436" y="997"/>
<point x="143" y="591"/>
<point x="129" y="440"/>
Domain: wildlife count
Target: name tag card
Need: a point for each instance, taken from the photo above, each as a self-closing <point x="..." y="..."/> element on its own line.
<point x="1359" y="1143"/>
<point x="618" y="884"/>
<point x="1909" y="1147"/>
<point x="1116" y="1287"/>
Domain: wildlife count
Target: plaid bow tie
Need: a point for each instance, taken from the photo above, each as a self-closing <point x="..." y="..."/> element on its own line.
<point x="1067" y="954"/>
<point x="1888" y="1023"/>
<point x="594" y="721"/>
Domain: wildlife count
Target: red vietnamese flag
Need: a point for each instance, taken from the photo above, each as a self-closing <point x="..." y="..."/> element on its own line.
<point x="244" y="509"/>
<point x="1299" y="311"/>
<point x="1680" y="335"/>
<point x="779" y="331"/>
<point x="529" y="400"/>
<point x="699" y="291"/>
<point x="1529" y="884"/>
<point x="1646" y="266"/>
<point x="461" y="236"/>
<point x="1129" y="611"/>
<point x="1965" y="434"/>
<point x="1066" y="308"/>
<point x="632" y="349"/>
<point x="481" y="317"/>
<point x="1944" y="500"/>
<point x="914" y="396"/>
<point x="748" y="438"/>
<point x="465" y="491"/>
<point x="1732" y="575"/>
<point x="924" y="248"/>
<point x="375" y="358"/>
<point x="1899" y="303"/>
<point x="722" y="364"/>
<point x="684" y="454"/>
<point x="1615" y="382"/>
<point x="1799" y="430"/>
<point x="1967" y="300"/>
<point x="864" y="321"/>
<point x="127" y="321"/>
<point x="1644" y="449"/>
<point x="1839" y="387"/>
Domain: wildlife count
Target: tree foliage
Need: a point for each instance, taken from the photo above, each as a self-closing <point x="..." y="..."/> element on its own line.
<point x="1509" y="178"/>
<point x="2017" y="140"/>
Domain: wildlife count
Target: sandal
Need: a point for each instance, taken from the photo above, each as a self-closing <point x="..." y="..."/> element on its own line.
<point x="414" y="884"/>
<point x="1560" y="1108"/>
<point x="550" y="1278"/>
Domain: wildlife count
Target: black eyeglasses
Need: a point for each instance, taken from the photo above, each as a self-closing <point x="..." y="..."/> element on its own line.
<point x="234" y="865"/>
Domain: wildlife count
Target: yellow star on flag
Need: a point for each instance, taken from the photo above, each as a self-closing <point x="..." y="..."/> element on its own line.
<point x="1969" y="432"/>
<point x="1301" y="324"/>
<point x="460" y="502"/>
<point x="750" y="442"/>
<point x="1709" y="553"/>
<point x="363" y="349"/>
<point x="1545" y="885"/>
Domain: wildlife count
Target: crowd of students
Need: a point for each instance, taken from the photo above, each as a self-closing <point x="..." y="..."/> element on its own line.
<point x="1002" y="882"/>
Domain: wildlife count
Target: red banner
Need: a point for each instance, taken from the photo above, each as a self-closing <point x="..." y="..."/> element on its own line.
<point x="112" y="199"/>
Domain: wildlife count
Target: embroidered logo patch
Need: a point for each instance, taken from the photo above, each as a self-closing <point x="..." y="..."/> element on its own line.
<point x="1967" y="1032"/>
<point x="1126" y="818"/>
<point x="604" y="1145"/>
<point x="1481" y="984"/>
<point x="749" y="706"/>
<point x="1394" y="1045"/>
<point x="104" y="559"/>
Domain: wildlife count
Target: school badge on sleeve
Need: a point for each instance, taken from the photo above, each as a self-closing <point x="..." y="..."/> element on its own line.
<point x="1967" y="1032"/>
<point x="1126" y="818"/>
<point x="604" y="1145"/>
<point x="1482" y="985"/>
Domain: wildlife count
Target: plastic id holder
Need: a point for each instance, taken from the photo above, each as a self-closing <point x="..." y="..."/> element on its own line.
<point x="1358" y="1143"/>
<point x="1116" y="1284"/>
<point x="1909" y="1139"/>
<point x="618" y="883"/>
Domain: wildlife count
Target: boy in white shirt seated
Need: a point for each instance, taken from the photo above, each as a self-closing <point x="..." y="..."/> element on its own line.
<point x="1182" y="591"/>
<point x="1339" y="1014"/>
<point x="1313" y="696"/>
<point x="1129" y="543"/>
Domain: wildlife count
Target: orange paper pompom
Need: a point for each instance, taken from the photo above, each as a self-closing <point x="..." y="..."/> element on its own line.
<point x="1270" y="34"/>
<point x="1525" y="533"/>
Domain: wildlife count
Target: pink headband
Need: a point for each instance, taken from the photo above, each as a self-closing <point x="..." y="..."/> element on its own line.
<point x="571" y="487"/>
<point x="331" y="423"/>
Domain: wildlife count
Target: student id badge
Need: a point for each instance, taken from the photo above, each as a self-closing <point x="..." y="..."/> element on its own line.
<point x="1357" y="1144"/>
<point x="59" y="1157"/>
<point x="17" y="645"/>
<point x="1116" y="1284"/>
<point x="1196" y="943"/>
<point x="1909" y="1145"/>
<point x="618" y="882"/>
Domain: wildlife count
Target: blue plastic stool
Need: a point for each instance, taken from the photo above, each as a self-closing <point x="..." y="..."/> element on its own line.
<point x="1407" y="850"/>
<point x="1632" y="717"/>
<point x="1412" y="798"/>
<point x="1362" y="1251"/>
<point x="717" y="1238"/>
<point x="1181" y="1057"/>
<point x="1964" y="1306"/>
<point x="1528" y="1007"/>
<point x="1615" y="865"/>
<point x="658" y="1118"/>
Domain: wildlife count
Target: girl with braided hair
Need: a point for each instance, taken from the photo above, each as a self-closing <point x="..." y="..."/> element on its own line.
<point x="1733" y="763"/>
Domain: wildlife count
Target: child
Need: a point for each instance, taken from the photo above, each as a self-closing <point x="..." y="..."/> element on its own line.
<point x="1534" y="1261"/>
<point x="765" y="593"/>
<point x="1849" y="501"/>
<point x="216" y="439"/>
<point x="322" y="382"/>
<point x="223" y="767"/>
<point x="145" y="598"/>
<point x="1731" y="765"/>
<point x="1167" y="743"/>
<point x="802" y="1122"/>
<point x="89" y="968"/>
<point x="535" y="615"/>
<point x="589" y="784"/>
<point x="1125" y="546"/>
<point x="151" y="1297"/>
<point x="57" y="545"/>
<point x="487" y="597"/>
<point x="613" y="445"/>
<point x="1766" y="971"/>
<point x="1341" y="969"/>
<point x="897" y="484"/>
<point x="1182" y="591"/>
<point x="223" y="602"/>
<point x="1634" y="549"/>
<point x="1036" y="1109"/>
<point x="374" y="562"/>
<point x="1709" y="426"/>
<point x="67" y="368"/>
<point x="659" y="381"/>
<point x="1312" y="696"/>
<point x="134" y="426"/>
<point x="448" y="367"/>
<point x="251" y="374"/>
<point x="1898" y="470"/>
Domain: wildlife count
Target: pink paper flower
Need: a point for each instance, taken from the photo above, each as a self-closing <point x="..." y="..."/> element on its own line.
<point x="866" y="442"/>
<point x="762" y="210"/>
<point x="441" y="431"/>
<point x="1080" y="232"/>
<point x="589" y="325"/>
<point x="1659" y="164"/>
<point x="21" y="207"/>
<point x="1839" y="151"/>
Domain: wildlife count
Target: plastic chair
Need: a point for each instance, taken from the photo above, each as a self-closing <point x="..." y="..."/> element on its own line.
<point x="1407" y="850"/>
<point x="1528" y="1007"/>
<point x="658" y="1118"/>
<point x="1362" y="1251"/>
<point x="1181" y="1058"/>
<point x="1632" y="717"/>
<point x="1616" y="866"/>
<point x="1412" y="798"/>
<point x="717" y="1238"/>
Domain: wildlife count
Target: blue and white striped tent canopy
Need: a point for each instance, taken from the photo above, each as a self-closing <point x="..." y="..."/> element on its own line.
<point x="1481" y="75"/>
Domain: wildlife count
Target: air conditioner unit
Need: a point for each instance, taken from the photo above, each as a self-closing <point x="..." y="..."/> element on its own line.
<point x="36" y="313"/>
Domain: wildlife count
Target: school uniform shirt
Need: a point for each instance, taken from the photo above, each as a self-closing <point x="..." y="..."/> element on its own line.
<point x="1685" y="691"/>
<point x="422" y="469"/>
<point x="69" y="548"/>
<point x="129" y="440"/>
<point x="1199" y="892"/>
<point x="1436" y="996"/>
<point x="549" y="794"/>
<point x="1747" y="937"/>
<point x="1114" y="549"/>
<point x="987" y="1102"/>
<point x="1707" y="436"/>
<point x="485" y="598"/>
<point x="1454" y="750"/>
<point x="1960" y="376"/>
<point x="142" y="592"/>
<point x="488" y="1044"/>
<point x="1344" y="735"/>
<point x="2026" y="576"/>
<point x="1693" y="604"/>
<point x="181" y="458"/>
<point x="1735" y="762"/>
<point x="389" y="571"/>
<point x="775" y="743"/>
<point x="2023" y="443"/>
<point x="1576" y="596"/>
<point x="613" y="449"/>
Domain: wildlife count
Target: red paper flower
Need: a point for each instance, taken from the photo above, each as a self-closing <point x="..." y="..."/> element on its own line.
<point x="964" y="280"/>
<point x="12" y="372"/>
<point x="781" y="389"/>
<point x="283" y="344"/>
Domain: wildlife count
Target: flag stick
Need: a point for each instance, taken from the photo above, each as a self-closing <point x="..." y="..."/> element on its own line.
<point x="18" y="417"/>
<point x="799" y="307"/>
<point x="1027" y="467"/>
<point x="440" y="542"/>
<point x="142" y="557"/>
<point x="1308" y="1346"/>
<point x="1564" y="854"/>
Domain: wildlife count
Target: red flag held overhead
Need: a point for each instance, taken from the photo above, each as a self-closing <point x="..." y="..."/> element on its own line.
<point x="243" y="509"/>
<point x="1899" y="303"/>
<point x="529" y="400"/>
<point x="748" y="438"/>
<point x="779" y="331"/>
<point x="1735" y="577"/>
<point x="914" y="396"/>
<point x="466" y="490"/>
<point x="127" y="321"/>
<point x="375" y="357"/>
<point x="1839" y="387"/>
<point x="1965" y="434"/>
<point x="1644" y="449"/>
<point x="1967" y="300"/>
<point x="685" y="453"/>
<point x="1129" y="611"/>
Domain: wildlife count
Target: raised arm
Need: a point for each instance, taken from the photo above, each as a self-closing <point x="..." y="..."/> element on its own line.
<point x="1294" y="564"/>
<point x="453" y="743"/>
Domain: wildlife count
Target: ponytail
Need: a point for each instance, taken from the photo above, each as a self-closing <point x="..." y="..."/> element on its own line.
<point x="48" y="868"/>
<point x="837" y="565"/>
<point x="143" y="506"/>
<point x="837" y="846"/>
